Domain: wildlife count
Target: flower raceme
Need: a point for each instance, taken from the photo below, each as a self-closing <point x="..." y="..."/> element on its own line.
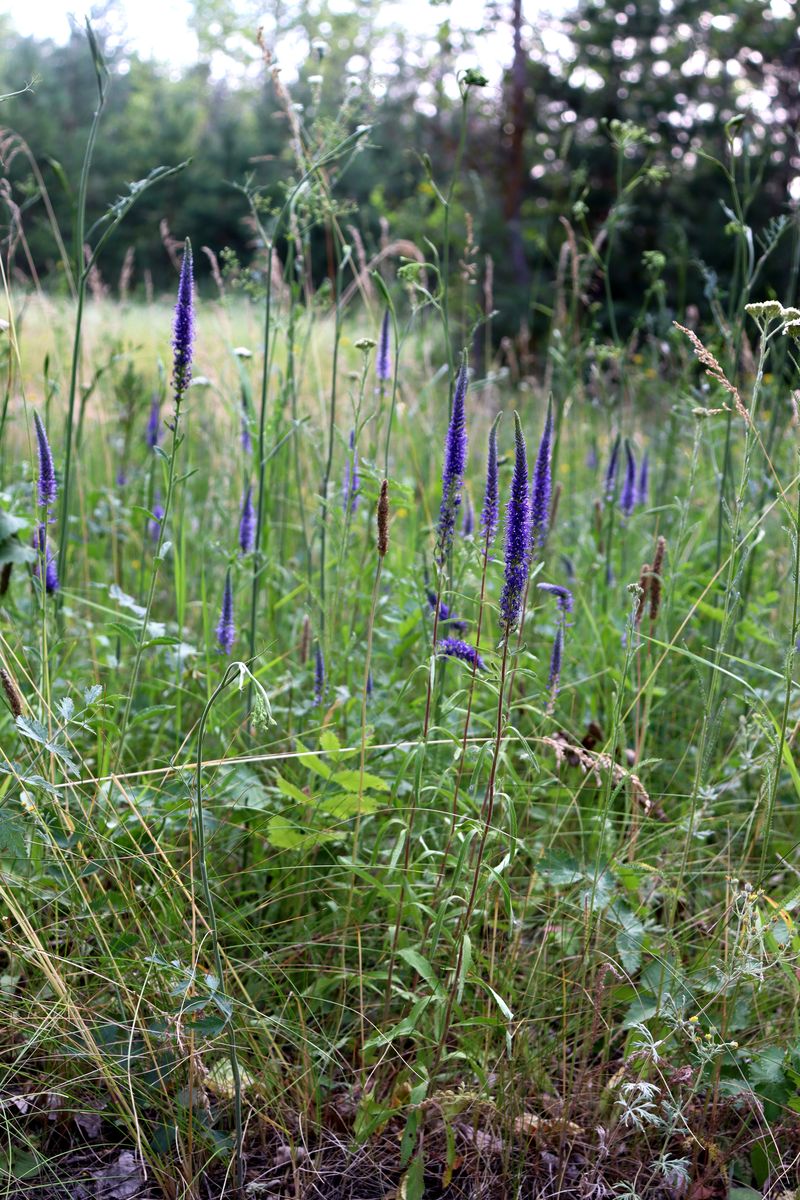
<point x="455" y="462"/>
<point x="491" y="498"/>
<point x="226" y="629"/>
<point x="517" y="551"/>
<point x="541" y="487"/>
<point x="183" y="328"/>
<point x="46" y="488"/>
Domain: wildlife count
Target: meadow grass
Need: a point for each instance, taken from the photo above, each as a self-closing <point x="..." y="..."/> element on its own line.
<point x="612" y="982"/>
<point x="326" y="911"/>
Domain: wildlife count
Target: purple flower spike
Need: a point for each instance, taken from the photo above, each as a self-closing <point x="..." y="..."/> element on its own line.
<point x="555" y="662"/>
<point x="643" y="486"/>
<point x="561" y="595"/>
<point x="491" y="498"/>
<point x="153" y="424"/>
<point x="454" y="648"/>
<point x="47" y="488"/>
<point x="42" y="546"/>
<point x="455" y="462"/>
<point x="247" y="522"/>
<point x="226" y="629"/>
<point x="445" y="615"/>
<point x="627" y="499"/>
<point x="542" y="485"/>
<point x="517" y="557"/>
<point x="351" y="483"/>
<point x="383" y="366"/>
<point x="183" y="328"/>
<point x="319" y="674"/>
<point x="611" y="471"/>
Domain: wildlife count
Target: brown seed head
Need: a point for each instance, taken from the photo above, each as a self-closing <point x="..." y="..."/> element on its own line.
<point x="383" y="519"/>
<point x="12" y="692"/>
<point x="656" y="578"/>
<point x="305" y="639"/>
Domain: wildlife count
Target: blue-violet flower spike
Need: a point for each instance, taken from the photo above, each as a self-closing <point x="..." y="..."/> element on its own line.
<point x="627" y="499"/>
<point x="611" y="471"/>
<point x="352" y="483"/>
<point x="455" y="462"/>
<point x="47" y="488"/>
<point x="491" y="498"/>
<point x="183" y="328"/>
<point x="42" y="546"/>
<point x="247" y="522"/>
<point x="541" y="486"/>
<point x="454" y="648"/>
<point x="561" y="595"/>
<point x="319" y="674"/>
<point x="226" y="629"/>
<point x="383" y="366"/>
<point x="517" y="554"/>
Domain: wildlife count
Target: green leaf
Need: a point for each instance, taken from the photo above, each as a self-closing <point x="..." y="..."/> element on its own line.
<point x="420" y="965"/>
<point x="312" y="762"/>
<point x="352" y="780"/>
<point x="342" y="805"/>
<point x="283" y="834"/>
<point x="294" y="793"/>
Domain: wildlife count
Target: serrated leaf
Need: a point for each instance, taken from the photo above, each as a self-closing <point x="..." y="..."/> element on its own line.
<point x="342" y="805"/>
<point x="293" y="792"/>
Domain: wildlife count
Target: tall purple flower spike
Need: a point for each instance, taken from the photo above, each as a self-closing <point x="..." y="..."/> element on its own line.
<point x="611" y="471"/>
<point x="517" y="553"/>
<point x="226" y="629"/>
<point x="455" y="462"/>
<point x="183" y="328"/>
<point x="42" y="546"/>
<point x="491" y="499"/>
<point x="627" y="498"/>
<point x="383" y="366"/>
<point x="351" y="482"/>
<point x="46" y="488"/>
<point x="542" y="485"/>
<point x="247" y="522"/>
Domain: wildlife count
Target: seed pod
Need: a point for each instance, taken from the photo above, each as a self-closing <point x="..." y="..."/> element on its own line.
<point x="383" y="519"/>
<point x="12" y="692"/>
<point x="655" y="578"/>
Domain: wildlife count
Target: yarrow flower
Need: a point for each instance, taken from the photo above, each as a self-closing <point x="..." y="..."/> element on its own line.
<point x="455" y="461"/>
<point x="47" y="488"/>
<point x="153" y="424"/>
<point x="445" y="615"/>
<point x="517" y="555"/>
<point x="643" y="485"/>
<point x="319" y="674"/>
<point x="183" y="327"/>
<point x="627" y="499"/>
<point x="542" y="485"/>
<point x="247" y="522"/>
<point x="611" y="471"/>
<point x="352" y="483"/>
<point x="454" y="648"/>
<point x="491" y="498"/>
<point x="383" y="365"/>
<point x="226" y="629"/>
<point x="42" y="547"/>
